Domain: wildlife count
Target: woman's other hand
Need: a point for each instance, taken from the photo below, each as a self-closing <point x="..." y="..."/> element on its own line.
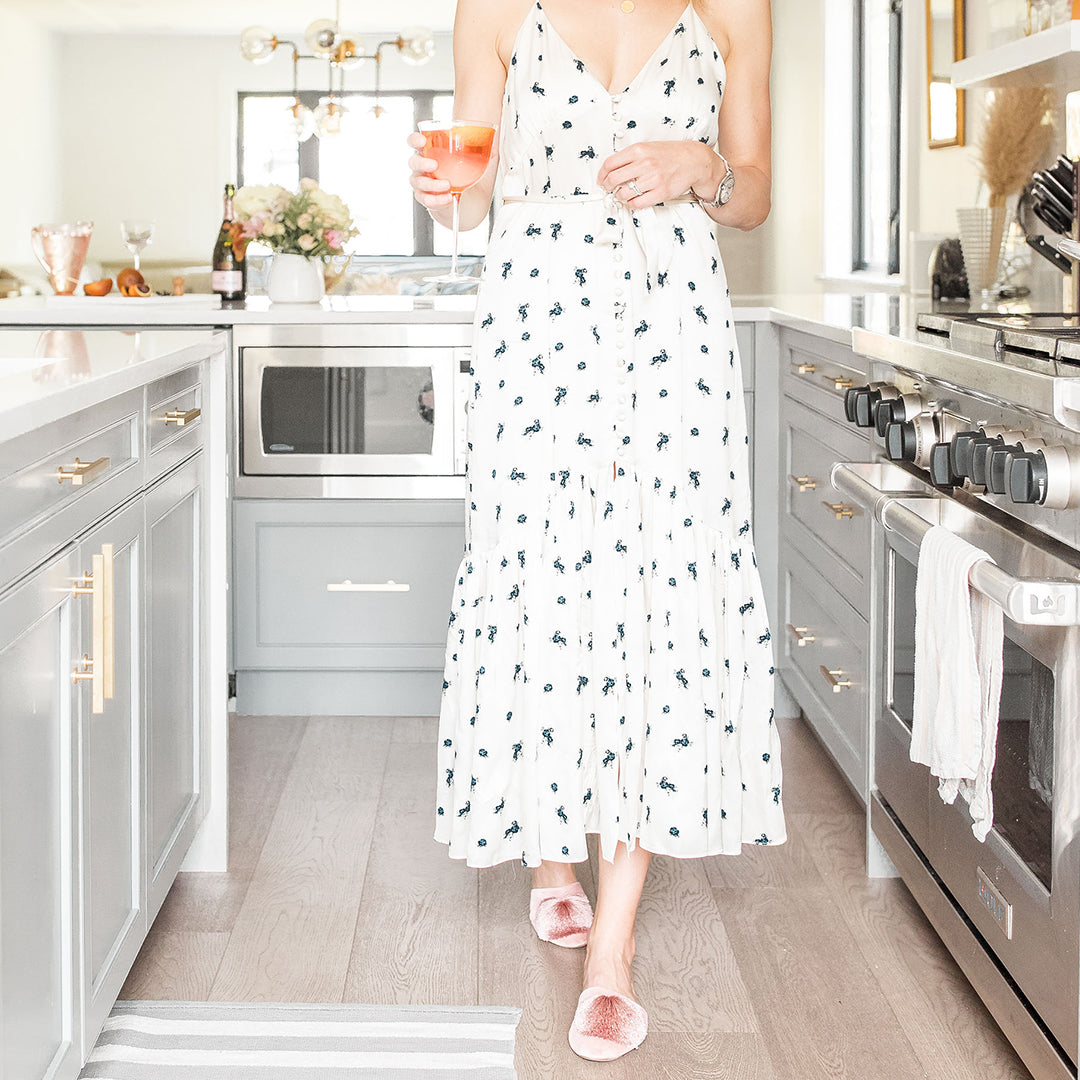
<point x="430" y="193"/>
<point x="661" y="171"/>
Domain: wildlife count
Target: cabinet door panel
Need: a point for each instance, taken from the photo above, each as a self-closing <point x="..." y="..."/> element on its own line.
<point x="110" y="755"/>
<point x="173" y="687"/>
<point x="37" y="656"/>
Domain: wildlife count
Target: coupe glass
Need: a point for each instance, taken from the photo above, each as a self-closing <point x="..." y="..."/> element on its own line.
<point x="136" y="234"/>
<point x="462" y="149"/>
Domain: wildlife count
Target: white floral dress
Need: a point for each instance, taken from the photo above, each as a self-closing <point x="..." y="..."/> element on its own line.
<point x="609" y="664"/>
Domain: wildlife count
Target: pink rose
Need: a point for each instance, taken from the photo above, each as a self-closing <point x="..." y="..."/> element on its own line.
<point x="334" y="238"/>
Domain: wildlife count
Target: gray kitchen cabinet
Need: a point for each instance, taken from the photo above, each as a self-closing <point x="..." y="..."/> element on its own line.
<point x="103" y="708"/>
<point x="39" y="644"/>
<point x="824" y="550"/>
<point x="108" y="758"/>
<point x="174" y="678"/>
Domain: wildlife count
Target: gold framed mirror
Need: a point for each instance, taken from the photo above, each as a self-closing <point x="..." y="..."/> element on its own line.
<point x="944" y="46"/>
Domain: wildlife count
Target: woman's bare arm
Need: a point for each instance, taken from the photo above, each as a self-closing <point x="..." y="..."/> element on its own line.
<point x="480" y="29"/>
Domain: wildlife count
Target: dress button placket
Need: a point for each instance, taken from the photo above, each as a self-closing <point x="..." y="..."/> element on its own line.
<point x="621" y="415"/>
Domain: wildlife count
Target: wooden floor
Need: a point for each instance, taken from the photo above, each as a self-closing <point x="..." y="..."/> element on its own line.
<point x="781" y="963"/>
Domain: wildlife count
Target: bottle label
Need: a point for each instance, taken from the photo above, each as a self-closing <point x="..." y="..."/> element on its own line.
<point x="226" y="281"/>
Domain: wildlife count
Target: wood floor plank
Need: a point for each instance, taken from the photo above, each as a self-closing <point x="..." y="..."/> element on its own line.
<point x="948" y="1025"/>
<point x="416" y="929"/>
<point x="787" y="865"/>
<point x="262" y="750"/>
<point x="666" y="1055"/>
<point x="811" y="780"/>
<point x="542" y="979"/>
<point x="293" y="936"/>
<point x="821" y="1011"/>
<point x="685" y="971"/>
<point x="175" y="966"/>
<point x="415" y="729"/>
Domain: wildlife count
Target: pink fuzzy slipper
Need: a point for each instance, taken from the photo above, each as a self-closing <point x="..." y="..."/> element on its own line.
<point x="562" y="915"/>
<point x="607" y="1025"/>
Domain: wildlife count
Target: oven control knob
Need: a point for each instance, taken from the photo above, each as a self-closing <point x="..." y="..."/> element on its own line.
<point x="896" y="410"/>
<point x="996" y="465"/>
<point x="861" y="401"/>
<point x="1027" y="477"/>
<point x="901" y="442"/>
<point x="960" y="451"/>
<point x="980" y="458"/>
<point x="850" y="397"/>
<point x="941" y="470"/>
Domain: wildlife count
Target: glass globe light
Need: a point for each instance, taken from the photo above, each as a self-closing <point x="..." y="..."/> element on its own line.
<point x="417" y="45"/>
<point x="300" y="120"/>
<point x="257" y="44"/>
<point x="350" y="51"/>
<point x="328" y="117"/>
<point x="322" y="37"/>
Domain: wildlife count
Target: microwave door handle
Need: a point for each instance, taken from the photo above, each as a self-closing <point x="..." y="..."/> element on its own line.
<point x="1026" y="601"/>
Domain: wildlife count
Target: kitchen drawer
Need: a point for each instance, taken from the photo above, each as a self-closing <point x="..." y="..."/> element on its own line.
<point x="334" y="584"/>
<point x="827" y="673"/>
<point x="39" y="510"/>
<point x="174" y="421"/>
<point x="744" y="335"/>
<point x="839" y="530"/>
<point x="818" y="372"/>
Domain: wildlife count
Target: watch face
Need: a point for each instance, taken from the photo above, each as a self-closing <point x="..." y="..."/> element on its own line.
<point x="727" y="186"/>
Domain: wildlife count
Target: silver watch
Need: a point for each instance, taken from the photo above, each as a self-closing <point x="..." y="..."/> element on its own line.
<point x="727" y="186"/>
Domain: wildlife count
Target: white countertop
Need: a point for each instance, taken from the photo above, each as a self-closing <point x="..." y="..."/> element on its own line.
<point x="831" y="315"/>
<point x="46" y="375"/>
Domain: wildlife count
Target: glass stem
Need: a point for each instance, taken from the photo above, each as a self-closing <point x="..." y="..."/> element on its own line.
<point x="457" y="218"/>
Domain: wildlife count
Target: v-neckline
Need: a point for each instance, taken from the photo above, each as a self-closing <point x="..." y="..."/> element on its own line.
<point x="664" y="41"/>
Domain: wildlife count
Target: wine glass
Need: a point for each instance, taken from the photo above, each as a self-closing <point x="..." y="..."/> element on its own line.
<point x="462" y="149"/>
<point x="136" y="234"/>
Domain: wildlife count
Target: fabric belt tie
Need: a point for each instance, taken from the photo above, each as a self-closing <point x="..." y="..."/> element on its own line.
<point x="653" y="235"/>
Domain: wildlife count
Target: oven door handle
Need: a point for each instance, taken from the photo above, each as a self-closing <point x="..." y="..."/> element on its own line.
<point x="1026" y="601"/>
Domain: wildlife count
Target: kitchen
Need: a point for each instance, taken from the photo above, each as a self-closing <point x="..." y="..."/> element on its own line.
<point x="309" y="742"/>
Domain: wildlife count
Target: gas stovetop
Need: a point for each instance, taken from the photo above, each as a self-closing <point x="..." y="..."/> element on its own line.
<point x="1049" y="335"/>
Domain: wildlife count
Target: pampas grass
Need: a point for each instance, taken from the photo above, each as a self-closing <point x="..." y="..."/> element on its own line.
<point x="1015" y="135"/>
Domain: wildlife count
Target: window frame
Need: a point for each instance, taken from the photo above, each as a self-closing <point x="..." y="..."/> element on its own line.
<point x="423" y="109"/>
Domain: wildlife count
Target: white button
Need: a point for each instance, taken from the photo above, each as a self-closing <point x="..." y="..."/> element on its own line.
<point x="617" y="257"/>
<point x="620" y="415"/>
<point x="620" y="344"/>
<point x="621" y="399"/>
<point x="621" y="451"/>
<point x="618" y="290"/>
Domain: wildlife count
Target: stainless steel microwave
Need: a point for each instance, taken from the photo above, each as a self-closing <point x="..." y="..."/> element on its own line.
<point x="315" y="413"/>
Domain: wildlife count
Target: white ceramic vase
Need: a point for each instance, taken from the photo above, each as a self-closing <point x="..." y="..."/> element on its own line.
<point x="295" y="279"/>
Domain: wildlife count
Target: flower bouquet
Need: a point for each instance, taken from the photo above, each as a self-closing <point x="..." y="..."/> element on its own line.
<point x="300" y="228"/>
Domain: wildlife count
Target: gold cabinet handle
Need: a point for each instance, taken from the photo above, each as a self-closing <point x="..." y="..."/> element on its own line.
<point x="839" y="509"/>
<point x="833" y="678"/>
<point x="368" y="586"/>
<point x="805" y="483"/>
<point x="100" y="668"/>
<point x="180" y="417"/>
<point x="838" y="381"/>
<point x="802" y="635"/>
<point x="82" y="471"/>
<point x="805" y="369"/>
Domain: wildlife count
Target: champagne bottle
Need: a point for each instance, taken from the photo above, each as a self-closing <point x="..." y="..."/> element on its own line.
<point x="227" y="275"/>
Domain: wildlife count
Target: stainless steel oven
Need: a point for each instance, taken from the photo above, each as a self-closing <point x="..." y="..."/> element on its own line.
<point x="327" y="410"/>
<point x="986" y="443"/>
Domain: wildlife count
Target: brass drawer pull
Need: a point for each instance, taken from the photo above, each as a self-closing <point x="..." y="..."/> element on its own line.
<point x="82" y="471"/>
<point x="838" y="381"/>
<point x="99" y="669"/>
<point x="832" y="677"/>
<point x="805" y="369"/>
<point x="802" y="635"/>
<point x="839" y="509"/>
<point x="805" y="483"/>
<point x="180" y="417"/>
<point x="367" y="586"/>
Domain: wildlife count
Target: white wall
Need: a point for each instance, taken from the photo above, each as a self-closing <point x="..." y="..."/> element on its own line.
<point x="149" y="129"/>
<point x="29" y="190"/>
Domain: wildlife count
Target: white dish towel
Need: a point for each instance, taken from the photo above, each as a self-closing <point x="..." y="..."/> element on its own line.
<point x="959" y="636"/>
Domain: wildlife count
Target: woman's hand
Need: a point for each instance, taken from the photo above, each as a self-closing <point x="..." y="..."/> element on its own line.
<point x="430" y="193"/>
<point x="661" y="171"/>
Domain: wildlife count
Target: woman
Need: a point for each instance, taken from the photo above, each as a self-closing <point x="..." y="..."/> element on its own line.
<point x="609" y="663"/>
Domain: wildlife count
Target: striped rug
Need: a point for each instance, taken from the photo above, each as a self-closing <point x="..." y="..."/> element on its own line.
<point x="166" y="1040"/>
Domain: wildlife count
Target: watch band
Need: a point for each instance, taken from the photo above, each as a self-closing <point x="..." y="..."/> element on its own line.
<point x="724" y="188"/>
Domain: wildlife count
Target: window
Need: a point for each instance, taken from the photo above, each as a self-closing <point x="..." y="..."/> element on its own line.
<point x="364" y="164"/>
<point x="862" y="138"/>
<point x="875" y="240"/>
